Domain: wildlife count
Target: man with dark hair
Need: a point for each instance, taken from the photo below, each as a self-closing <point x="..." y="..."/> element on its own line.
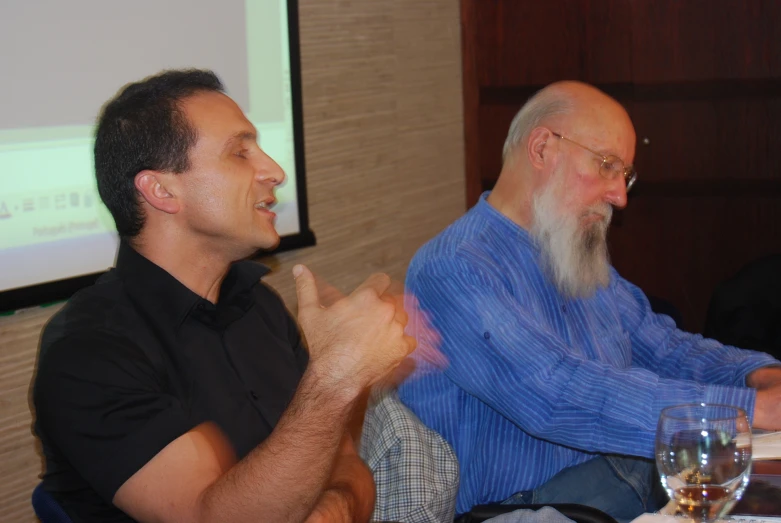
<point x="144" y="127"/>
<point x="178" y="388"/>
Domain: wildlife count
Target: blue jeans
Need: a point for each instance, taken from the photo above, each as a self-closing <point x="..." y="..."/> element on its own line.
<point x="623" y="487"/>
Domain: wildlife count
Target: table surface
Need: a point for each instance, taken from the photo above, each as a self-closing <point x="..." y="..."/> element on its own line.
<point x="769" y="468"/>
<point x="763" y="495"/>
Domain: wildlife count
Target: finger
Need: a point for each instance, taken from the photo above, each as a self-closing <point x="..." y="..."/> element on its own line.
<point x="405" y="368"/>
<point x="432" y="355"/>
<point x="378" y="282"/>
<point x="396" y="376"/>
<point x="328" y="293"/>
<point x="425" y="330"/>
<point x="423" y="327"/>
<point x="306" y="289"/>
<point x="396" y="289"/>
<point x="400" y="315"/>
<point x="411" y="343"/>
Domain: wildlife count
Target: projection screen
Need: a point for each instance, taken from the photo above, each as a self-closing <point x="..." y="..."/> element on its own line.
<point x="63" y="60"/>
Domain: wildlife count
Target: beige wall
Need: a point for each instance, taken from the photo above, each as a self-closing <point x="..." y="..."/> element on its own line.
<point x="385" y="172"/>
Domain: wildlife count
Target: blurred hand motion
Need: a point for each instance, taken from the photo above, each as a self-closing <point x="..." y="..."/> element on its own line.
<point x="359" y="337"/>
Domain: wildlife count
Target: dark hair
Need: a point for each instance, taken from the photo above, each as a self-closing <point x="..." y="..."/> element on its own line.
<point x="144" y="127"/>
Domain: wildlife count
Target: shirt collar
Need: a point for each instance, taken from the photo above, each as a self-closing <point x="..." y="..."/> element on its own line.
<point x="503" y="227"/>
<point x="168" y="300"/>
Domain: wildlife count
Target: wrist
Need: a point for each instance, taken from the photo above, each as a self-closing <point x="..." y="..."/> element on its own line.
<point x="764" y="377"/>
<point x="334" y="506"/>
<point x="332" y="381"/>
<point x="759" y="420"/>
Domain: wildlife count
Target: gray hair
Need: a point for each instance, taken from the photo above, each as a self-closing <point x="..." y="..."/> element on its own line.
<point x="544" y="104"/>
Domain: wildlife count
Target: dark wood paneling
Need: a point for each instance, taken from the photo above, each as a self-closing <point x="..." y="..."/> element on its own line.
<point x="471" y="95"/>
<point x="494" y="122"/>
<point x="681" y="247"/>
<point x="691" y="40"/>
<point x="531" y="42"/>
<point x="713" y="139"/>
<point x="667" y="92"/>
<point x="707" y="188"/>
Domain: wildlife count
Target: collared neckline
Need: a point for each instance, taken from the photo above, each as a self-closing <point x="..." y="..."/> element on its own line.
<point x="501" y="225"/>
<point x="160" y="294"/>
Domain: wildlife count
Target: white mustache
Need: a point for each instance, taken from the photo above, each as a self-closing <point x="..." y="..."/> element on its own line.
<point x="604" y="210"/>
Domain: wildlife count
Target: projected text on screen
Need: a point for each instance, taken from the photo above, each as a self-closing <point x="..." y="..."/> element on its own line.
<point x="78" y="54"/>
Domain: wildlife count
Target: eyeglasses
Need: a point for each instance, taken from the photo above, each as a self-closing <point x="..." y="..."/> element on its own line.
<point x="611" y="167"/>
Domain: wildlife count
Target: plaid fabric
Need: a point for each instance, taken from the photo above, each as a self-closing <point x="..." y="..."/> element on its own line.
<point x="415" y="470"/>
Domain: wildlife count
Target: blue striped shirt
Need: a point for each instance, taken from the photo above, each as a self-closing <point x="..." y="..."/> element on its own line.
<point x="535" y="382"/>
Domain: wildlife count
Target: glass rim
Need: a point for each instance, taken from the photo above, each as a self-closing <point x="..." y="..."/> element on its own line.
<point x="738" y="410"/>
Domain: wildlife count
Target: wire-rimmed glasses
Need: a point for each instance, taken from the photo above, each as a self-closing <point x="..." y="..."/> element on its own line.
<point x="611" y="167"/>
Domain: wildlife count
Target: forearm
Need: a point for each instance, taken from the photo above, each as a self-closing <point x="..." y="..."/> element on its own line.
<point x="283" y="478"/>
<point x="581" y="403"/>
<point x="681" y="355"/>
<point x="334" y="506"/>
<point x="344" y="504"/>
<point x="657" y="345"/>
<point x="350" y="493"/>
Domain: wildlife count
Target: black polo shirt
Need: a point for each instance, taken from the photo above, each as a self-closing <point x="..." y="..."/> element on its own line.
<point x="137" y="360"/>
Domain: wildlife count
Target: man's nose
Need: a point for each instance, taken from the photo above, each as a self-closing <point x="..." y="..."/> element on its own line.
<point x="270" y="172"/>
<point x="615" y="194"/>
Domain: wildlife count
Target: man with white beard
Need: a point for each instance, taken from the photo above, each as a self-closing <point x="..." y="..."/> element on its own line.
<point x="550" y="369"/>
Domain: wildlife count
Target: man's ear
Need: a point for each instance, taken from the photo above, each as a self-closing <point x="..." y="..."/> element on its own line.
<point x="537" y="147"/>
<point x="152" y="186"/>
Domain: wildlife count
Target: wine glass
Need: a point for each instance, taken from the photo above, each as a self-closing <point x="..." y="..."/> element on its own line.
<point x="703" y="453"/>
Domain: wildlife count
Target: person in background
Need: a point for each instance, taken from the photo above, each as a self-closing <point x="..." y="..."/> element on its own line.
<point x="557" y="369"/>
<point x="178" y="387"/>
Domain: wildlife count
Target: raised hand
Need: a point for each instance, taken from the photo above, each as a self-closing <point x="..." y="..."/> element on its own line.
<point x="359" y="338"/>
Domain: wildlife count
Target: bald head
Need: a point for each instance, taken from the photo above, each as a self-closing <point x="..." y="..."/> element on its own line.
<point x="560" y="134"/>
<point x="570" y="104"/>
<point x="553" y="184"/>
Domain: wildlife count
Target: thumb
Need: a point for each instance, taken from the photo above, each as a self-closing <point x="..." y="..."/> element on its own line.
<point x="306" y="288"/>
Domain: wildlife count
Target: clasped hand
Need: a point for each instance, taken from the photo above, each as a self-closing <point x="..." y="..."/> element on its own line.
<point x="358" y="339"/>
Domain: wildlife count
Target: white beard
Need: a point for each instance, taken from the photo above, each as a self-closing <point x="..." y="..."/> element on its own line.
<point x="576" y="258"/>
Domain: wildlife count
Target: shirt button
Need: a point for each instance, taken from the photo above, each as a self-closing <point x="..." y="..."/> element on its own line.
<point x="563" y="308"/>
<point x="253" y="395"/>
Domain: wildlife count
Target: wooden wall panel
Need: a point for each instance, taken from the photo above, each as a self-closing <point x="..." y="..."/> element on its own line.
<point x="679" y="247"/>
<point x="586" y="40"/>
<point x="696" y="40"/>
<point x="385" y="172"/>
<point x="471" y="90"/>
<point x="494" y="121"/>
<point x="728" y="139"/>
